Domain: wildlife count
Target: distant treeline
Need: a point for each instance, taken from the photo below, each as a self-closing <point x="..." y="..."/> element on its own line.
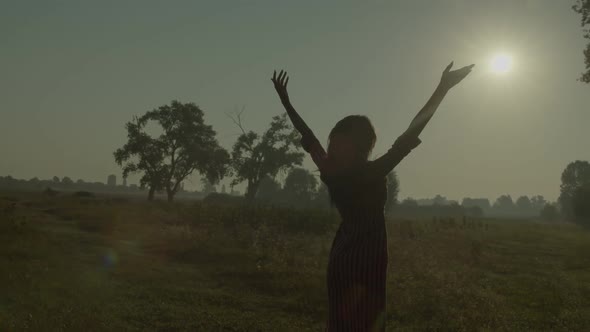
<point x="503" y="206"/>
<point x="301" y="189"/>
<point x="68" y="185"/>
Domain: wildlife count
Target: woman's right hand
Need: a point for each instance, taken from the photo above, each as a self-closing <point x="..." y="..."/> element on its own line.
<point x="451" y="78"/>
<point x="280" y="84"/>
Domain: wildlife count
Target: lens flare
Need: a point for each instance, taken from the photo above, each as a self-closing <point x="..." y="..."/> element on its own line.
<point x="110" y="258"/>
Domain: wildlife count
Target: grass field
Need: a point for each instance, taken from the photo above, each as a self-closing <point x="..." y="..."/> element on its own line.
<point x="104" y="264"/>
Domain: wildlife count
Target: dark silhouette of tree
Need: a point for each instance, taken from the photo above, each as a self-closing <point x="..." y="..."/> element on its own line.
<point x="482" y="203"/>
<point x="300" y="187"/>
<point x="186" y="145"/>
<point x="67" y="181"/>
<point x="269" y="190"/>
<point x="504" y="203"/>
<point x="581" y="205"/>
<point x="582" y="7"/>
<point x="549" y="212"/>
<point x="255" y="156"/>
<point x="56" y="179"/>
<point x="439" y="200"/>
<point x="392" y="191"/>
<point x="538" y="202"/>
<point x="148" y="154"/>
<point x="322" y="196"/>
<point x="524" y="203"/>
<point x="409" y="202"/>
<point x="574" y="176"/>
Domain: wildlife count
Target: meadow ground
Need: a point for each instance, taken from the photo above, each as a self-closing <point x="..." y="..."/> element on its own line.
<point x="114" y="264"/>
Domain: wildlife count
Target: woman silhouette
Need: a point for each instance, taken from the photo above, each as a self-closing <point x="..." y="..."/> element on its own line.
<point x="356" y="276"/>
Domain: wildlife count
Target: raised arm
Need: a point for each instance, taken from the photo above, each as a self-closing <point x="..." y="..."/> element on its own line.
<point x="448" y="80"/>
<point x="308" y="140"/>
<point x="404" y="144"/>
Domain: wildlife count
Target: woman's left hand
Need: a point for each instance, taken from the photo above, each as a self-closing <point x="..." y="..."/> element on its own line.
<point x="280" y="83"/>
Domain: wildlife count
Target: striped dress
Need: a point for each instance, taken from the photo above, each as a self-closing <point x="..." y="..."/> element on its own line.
<point x="356" y="276"/>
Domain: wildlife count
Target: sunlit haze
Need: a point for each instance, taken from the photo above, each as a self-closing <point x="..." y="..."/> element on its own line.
<point x="73" y="73"/>
<point x="501" y="63"/>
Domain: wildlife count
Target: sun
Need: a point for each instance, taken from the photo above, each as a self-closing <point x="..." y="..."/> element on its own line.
<point x="501" y="63"/>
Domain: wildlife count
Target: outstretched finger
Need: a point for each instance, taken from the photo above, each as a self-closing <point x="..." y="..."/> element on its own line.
<point x="449" y="67"/>
<point x="274" y="75"/>
<point x="287" y="81"/>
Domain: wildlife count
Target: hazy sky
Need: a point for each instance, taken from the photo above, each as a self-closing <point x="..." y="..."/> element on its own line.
<point x="73" y="72"/>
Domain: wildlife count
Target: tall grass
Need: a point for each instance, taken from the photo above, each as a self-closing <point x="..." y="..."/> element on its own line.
<point x="103" y="264"/>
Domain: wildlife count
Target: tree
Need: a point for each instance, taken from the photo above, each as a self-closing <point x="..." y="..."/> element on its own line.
<point x="255" y="156"/>
<point x="574" y="176"/>
<point x="56" y="179"/>
<point x="439" y="200"/>
<point x="538" y="202"/>
<point x="409" y="202"/>
<point x="148" y="153"/>
<point x="504" y="203"/>
<point x="582" y="7"/>
<point x="185" y="145"/>
<point x="581" y="205"/>
<point x="482" y="203"/>
<point x="549" y="212"/>
<point x="524" y="203"/>
<point x="392" y="191"/>
<point x="300" y="187"/>
<point x="322" y="196"/>
<point x="67" y="181"/>
<point x="269" y="189"/>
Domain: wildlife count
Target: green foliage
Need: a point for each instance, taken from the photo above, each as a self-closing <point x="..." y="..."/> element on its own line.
<point x="300" y="187"/>
<point x="504" y="202"/>
<point x="268" y="190"/>
<point x="549" y="212"/>
<point x="581" y="205"/>
<point x="185" y="145"/>
<point x="538" y="202"/>
<point x="524" y="203"/>
<point x="582" y="7"/>
<point x="254" y="156"/>
<point x="410" y="202"/>
<point x="392" y="191"/>
<point x="574" y="176"/>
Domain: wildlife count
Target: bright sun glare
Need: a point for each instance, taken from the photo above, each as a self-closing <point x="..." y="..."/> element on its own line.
<point x="501" y="63"/>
